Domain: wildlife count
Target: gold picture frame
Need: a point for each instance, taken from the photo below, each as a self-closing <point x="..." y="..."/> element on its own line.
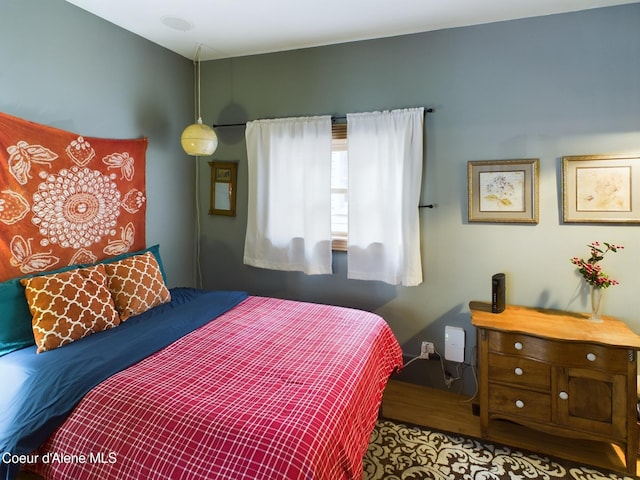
<point x="601" y="189"/>
<point x="503" y="191"/>
<point x="224" y="180"/>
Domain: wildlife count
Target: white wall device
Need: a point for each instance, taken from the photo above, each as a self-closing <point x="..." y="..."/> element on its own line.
<point x="454" y="344"/>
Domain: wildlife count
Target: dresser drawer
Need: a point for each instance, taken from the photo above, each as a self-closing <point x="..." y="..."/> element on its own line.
<point x="570" y="354"/>
<point x="519" y="344"/>
<point x="519" y="371"/>
<point x="588" y="355"/>
<point x="522" y="403"/>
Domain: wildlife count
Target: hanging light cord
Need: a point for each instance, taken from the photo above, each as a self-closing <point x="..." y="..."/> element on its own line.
<point x="198" y="267"/>
<point x="196" y="72"/>
<point x="196" y="64"/>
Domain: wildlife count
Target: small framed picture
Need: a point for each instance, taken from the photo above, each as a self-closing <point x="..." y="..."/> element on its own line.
<point x="601" y="189"/>
<point x="503" y="191"/>
<point x="223" y="188"/>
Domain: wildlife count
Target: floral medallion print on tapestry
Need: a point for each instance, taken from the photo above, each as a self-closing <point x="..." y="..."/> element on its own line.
<point x="67" y="199"/>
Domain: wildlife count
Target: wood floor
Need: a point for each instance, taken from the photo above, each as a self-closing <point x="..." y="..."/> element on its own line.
<point x="446" y="410"/>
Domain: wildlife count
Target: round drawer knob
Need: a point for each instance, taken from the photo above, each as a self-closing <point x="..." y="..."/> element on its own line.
<point x="519" y="404"/>
<point x="591" y="357"/>
<point x="518" y="346"/>
<point x="563" y="395"/>
<point x="518" y="371"/>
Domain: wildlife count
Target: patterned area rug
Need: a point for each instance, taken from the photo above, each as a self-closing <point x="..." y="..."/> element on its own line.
<point x="402" y="452"/>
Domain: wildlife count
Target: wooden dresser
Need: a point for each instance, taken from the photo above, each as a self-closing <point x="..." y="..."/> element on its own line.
<point x="558" y="372"/>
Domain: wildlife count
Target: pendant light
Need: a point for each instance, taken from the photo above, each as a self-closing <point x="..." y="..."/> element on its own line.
<point x="198" y="138"/>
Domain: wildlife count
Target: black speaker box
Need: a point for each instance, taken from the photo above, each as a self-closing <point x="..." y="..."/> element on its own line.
<point x="497" y="293"/>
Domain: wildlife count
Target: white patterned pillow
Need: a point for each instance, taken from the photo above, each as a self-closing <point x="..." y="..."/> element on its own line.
<point x="136" y="284"/>
<point x="68" y="306"/>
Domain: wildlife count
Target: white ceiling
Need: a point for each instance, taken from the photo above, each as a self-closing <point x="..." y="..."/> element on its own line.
<point x="232" y="28"/>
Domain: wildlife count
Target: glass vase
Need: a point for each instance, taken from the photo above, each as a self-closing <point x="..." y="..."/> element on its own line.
<point x="597" y="294"/>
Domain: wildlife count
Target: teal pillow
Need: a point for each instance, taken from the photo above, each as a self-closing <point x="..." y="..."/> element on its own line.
<point x="15" y="318"/>
<point x="15" y="321"/>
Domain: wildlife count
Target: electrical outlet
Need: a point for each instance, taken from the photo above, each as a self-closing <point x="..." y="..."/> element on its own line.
<point x="427" y="349"/>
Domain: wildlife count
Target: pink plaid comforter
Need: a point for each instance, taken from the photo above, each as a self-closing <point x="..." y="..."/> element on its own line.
<point x="272" y="389"/>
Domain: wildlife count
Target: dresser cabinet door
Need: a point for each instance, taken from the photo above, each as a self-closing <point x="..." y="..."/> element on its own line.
<point x="592" y="400"/>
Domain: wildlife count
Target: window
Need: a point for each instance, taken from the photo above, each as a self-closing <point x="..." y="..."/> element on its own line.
<point x="339" y="187"/>
<point x="372" y="202"/>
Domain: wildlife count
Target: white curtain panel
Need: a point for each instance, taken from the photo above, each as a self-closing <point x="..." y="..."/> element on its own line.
<point x="289" y="216"/>
<point x="385" y="176"/>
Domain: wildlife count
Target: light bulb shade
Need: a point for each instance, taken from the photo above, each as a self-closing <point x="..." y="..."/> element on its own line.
<point x="199" y="139"/>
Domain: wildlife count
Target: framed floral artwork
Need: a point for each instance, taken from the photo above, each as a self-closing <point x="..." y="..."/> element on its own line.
<point x="503" y="191"/>
<point x="601" y="189"/>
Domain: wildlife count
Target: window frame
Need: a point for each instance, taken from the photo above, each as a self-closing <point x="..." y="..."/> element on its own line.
<point x="339" y="143"/>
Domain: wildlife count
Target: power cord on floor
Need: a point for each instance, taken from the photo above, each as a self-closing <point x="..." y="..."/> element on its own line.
<point x="447" y="376"/>
<point x="475" y="377"/>
<point x="411" y="361"/>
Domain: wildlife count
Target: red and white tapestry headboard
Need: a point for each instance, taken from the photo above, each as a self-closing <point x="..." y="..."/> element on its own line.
<point x="67" y="199"/>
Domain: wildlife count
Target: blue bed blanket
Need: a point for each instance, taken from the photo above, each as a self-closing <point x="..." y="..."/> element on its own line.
<point x="38" y="391"/>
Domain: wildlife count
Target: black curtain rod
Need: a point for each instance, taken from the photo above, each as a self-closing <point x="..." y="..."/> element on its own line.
<point x="334" y="118"/>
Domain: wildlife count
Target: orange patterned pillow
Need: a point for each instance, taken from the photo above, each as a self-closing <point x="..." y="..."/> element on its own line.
<point x="136" y="284"/>
<point x="68" y="306"/>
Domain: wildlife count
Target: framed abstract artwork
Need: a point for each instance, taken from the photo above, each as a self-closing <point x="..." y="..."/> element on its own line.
<point x="601" y="189"/>
<point x="503" y="191"/>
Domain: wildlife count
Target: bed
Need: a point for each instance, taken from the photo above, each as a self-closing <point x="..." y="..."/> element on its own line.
<point x="203" y="385"/>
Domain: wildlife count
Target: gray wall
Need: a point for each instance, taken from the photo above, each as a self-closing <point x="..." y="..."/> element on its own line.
<point x="537" y="88"/>
<point x="64" y="67"/>
<point x="545" y="87"/>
